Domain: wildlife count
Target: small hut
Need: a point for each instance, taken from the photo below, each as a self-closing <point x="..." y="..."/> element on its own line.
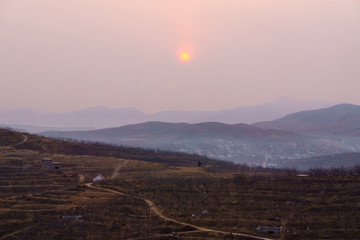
<point x="99" y="177"/>
<point x="48" y="164"/>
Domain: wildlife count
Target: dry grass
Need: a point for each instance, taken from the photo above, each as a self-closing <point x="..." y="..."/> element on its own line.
<point x="34" y="200"/>
<point x="329" y="206"/>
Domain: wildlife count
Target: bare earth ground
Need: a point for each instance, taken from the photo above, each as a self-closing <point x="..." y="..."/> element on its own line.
<point x="146" y="200"/>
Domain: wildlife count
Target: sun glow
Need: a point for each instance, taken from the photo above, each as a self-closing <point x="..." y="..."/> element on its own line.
<point x="185" y="56"/>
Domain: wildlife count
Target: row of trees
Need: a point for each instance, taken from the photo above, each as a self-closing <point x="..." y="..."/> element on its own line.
<point x="312" y="172"/>
<point x="334" y="171"/>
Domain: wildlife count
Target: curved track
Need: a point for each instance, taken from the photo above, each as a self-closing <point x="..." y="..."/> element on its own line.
<point x="22" y="142"/>
<point x="157" y="211"/>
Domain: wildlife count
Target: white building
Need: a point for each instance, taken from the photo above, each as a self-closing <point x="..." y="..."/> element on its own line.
<point x="99" y="177"/>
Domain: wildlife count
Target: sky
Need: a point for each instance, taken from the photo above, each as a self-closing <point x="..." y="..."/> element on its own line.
<point x="64" y="55"/>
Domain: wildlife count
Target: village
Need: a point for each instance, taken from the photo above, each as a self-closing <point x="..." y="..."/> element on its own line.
<point x="245" y="152"/>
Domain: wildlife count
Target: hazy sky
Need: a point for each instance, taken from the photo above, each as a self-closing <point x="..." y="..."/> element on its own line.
<point x="62" y="55"/>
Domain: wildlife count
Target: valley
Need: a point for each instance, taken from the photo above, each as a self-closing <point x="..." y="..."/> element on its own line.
<point x="278" y="143"/>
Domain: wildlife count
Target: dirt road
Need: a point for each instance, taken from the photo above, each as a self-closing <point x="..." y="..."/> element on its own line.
<point x="157" y="211"/>
<point x="114" y="175"/>
<point x="23" y="141"/>
<point x="16" y="232"/>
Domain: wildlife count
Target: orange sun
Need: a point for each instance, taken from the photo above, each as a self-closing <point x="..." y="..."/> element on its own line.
<point x="185" y="56"/>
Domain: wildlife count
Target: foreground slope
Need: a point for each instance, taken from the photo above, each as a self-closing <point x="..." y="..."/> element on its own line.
<point x="8" y="137"/>
<point x="53" y="146"/>
<point x="197" y="202"/>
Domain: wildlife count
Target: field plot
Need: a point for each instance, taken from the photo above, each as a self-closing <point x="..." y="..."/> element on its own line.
<point x="305" y="207"/>
<point x="38" y="204"/>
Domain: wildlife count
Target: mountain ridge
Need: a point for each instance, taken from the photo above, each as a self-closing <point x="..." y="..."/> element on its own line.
<point x="241" y="143"/>
<point x="341" y="119"/>
<point x="301" y="135"/>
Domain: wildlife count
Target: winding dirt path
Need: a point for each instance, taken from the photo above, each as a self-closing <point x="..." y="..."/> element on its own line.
<point x="22" y="142"/>
<point x="166" y="235"/>
<point x="16" y="232"/>
<point x="158" y="212"/>
<point x="114" y="175"/>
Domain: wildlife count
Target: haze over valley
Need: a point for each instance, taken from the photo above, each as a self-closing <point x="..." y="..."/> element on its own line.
<point x="300" y="135"/>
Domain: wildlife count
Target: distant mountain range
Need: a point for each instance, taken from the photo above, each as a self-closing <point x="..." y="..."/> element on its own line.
<point x="102" y="117"/>
<point x="301" y="135"/>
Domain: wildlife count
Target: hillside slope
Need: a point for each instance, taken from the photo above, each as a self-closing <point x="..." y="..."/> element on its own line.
<point x="9" y="137"/>
<point x="45" y="145"/>
<point x="240" y="143"/>
<point x="339" y="120"/>
<point x="156" y="130"/>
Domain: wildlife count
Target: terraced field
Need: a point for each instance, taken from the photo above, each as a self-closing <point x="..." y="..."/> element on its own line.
<point x="38" y="204"/>
<point x="154" y="199"/>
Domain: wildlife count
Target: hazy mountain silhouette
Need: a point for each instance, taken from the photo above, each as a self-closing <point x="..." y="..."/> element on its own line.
<point x="300" y="135"/>
<point x="339" y="120"/>
<point x="272" y="110"/>
<point x="38" y="129"/>
<point x="155" y="130"/>
<point x="90" y="118"/>
<point x="102" y="117"/>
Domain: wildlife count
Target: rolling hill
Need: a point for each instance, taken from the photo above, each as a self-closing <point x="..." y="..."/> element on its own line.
<point x="8" y="137"/>
<point x="338" y="120"/>
<point x="156" y="130"/>
<point x="239" y="143"/>
<point x="43" y="145"/>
